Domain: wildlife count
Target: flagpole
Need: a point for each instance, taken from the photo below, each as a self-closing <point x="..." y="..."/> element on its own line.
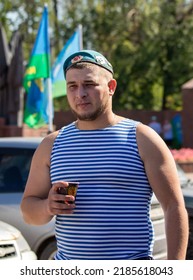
<point x="50" y="105"/>
<point x="49" y="88"/>
<point x="80" y="40"/>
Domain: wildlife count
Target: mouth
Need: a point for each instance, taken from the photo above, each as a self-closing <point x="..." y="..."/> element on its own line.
<point x="83" y="105"/>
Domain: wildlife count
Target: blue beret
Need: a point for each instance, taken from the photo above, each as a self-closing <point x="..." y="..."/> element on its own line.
<point x="87" y="56"/>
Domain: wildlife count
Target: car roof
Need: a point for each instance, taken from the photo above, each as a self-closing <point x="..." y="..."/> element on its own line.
<point x="20" y="142"/>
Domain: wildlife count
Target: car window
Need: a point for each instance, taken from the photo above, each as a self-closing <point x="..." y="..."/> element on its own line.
<point x="14" y="168"/>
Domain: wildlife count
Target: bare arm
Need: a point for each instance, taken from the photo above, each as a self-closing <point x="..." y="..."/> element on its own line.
<point x="40" y="201"/>
<point x="162" y="175"/>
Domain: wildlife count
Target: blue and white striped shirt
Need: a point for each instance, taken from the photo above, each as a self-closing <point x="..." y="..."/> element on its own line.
<point x="111" y="220"/>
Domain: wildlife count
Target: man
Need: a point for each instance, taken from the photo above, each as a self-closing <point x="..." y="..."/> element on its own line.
<point x="154" y="124"/>
<point x="168" y="133"/>
<point x="118" y="163"/>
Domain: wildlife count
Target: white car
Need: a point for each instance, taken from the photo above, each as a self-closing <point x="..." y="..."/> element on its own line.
<point x="15" y="159"/>
<point x="13" y="245"/>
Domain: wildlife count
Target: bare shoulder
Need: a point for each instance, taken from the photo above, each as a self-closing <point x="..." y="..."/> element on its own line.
<point x="150" y="143"/>
<point x="44" y="149"/>
<point x="49" y="139"/>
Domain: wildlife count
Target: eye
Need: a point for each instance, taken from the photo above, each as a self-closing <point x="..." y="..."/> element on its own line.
<point x="72" y="87"/>
<point x="90" y="84"/>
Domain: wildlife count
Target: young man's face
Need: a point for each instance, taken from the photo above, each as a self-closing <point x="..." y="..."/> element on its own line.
<point x="89" y="91"/>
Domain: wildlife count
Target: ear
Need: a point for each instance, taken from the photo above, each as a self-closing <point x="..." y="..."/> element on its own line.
<point x="112" y="84"/>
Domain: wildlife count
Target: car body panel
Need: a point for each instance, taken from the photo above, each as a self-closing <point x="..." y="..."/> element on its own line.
<point x="10" y="201"/>
<point x="35" y="235"/>
<point x="13" y="245"/>
<point x="8" y="232"/>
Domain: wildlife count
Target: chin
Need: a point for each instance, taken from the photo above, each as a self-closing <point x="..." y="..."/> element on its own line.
<point x="88" y="116"/>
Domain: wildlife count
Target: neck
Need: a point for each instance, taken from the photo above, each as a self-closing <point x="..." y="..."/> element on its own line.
<point x="100" y="122"/>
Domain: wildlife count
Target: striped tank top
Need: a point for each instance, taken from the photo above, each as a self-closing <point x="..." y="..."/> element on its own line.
<point x="111" y="220"/>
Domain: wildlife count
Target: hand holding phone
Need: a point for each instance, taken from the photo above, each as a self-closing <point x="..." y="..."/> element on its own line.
<point x="71" y="189"/>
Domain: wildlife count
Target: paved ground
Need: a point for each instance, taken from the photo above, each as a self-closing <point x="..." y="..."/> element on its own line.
<point x="190" y="175"/>
<point x="189" y="255"/>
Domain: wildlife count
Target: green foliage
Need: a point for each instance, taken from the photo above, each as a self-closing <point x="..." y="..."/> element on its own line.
<point x="149" y="43"/>
<point x="23" y="15"/>
<point x="61" y="104"/>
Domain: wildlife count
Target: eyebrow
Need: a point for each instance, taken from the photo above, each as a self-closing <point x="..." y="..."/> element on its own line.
<point x="69" y="83"/>
<point x="85" y="81"/>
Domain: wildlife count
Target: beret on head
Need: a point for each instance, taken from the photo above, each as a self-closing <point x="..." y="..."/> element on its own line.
<point x="87" y="56"/>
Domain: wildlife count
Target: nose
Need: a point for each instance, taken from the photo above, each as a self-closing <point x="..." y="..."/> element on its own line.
<point x="81" y="92"/>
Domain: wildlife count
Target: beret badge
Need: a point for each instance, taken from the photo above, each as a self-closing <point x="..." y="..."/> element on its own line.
<point x="76" y="59"/>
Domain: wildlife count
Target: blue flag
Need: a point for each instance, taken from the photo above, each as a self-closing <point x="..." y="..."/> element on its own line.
<point x="38" y="69"/>
<point x="58" y="81"/>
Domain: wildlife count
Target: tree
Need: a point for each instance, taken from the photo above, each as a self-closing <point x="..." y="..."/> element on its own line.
<point x="149" y="43"/>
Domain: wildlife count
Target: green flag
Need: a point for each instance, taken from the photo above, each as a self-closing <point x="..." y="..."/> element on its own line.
<point x="36" y="108"/>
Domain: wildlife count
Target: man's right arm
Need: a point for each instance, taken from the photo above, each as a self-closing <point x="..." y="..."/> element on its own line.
<point x="41" y="201"/>
<point x="35" y="203"/>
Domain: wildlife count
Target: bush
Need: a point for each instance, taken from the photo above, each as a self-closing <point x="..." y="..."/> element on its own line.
<point x="182" y="155"/>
